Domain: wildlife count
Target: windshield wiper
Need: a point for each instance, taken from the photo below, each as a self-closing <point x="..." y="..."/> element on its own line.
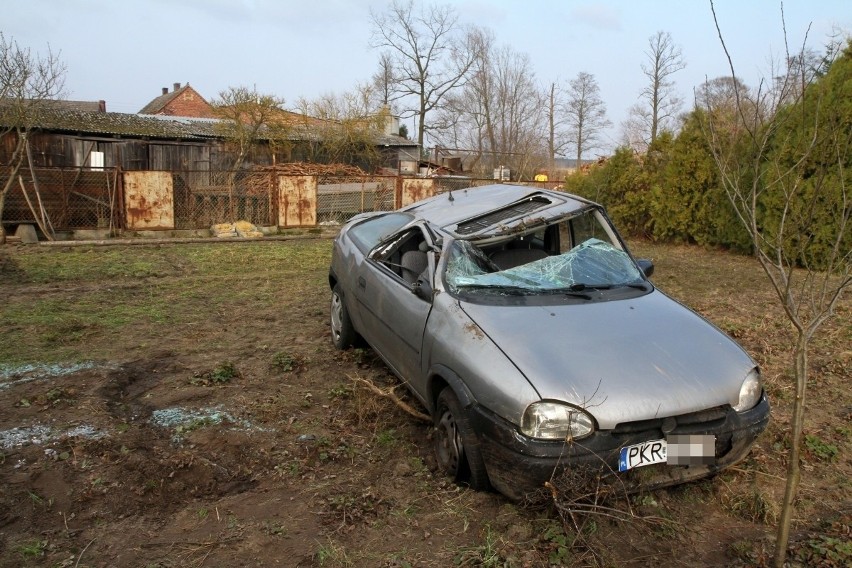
<point x="514" y="290"/>
<point x="579" y="286"/>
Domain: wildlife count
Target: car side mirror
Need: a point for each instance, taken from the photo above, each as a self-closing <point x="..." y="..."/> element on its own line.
<point x="422" y="289"/>
<point x="646" y="266"/>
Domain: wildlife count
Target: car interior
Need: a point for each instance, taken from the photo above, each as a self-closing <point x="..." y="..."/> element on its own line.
<point x="406" y="256"/>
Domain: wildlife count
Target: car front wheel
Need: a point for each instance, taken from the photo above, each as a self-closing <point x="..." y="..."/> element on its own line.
<point x="343" y="334"/>
<point x="456" y="445"/>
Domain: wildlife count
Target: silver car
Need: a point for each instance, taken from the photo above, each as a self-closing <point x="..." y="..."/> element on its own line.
<point x="519" y="319"/>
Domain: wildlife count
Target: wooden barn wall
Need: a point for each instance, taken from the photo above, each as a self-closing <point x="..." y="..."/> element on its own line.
<point x="133" y="154"/>
<point x="50" y="151"/>
<point x="60" y="150"/>
<point x="69" y="151"/>
<point x="178" y="157"/>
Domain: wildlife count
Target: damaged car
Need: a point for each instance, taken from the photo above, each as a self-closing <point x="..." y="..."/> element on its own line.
<point x="519" y="319"/>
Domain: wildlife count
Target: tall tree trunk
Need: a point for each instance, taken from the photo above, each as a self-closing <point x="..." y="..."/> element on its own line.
<point x="793" y="466"/>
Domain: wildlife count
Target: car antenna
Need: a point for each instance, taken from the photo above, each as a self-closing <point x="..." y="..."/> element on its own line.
<point x="450" y="195"/>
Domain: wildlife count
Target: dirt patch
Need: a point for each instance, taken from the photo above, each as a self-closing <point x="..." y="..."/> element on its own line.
<point x="199" y="415"/>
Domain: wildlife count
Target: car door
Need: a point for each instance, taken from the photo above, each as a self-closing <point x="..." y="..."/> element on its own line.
<point x="393" y="317"/>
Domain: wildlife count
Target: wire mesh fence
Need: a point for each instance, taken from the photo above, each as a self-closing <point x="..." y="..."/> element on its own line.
<point x="341" y="197"/>
<point x="63" y="199"/>
<point x="444" y="184"/>
<point x="82" y="198"/>
<point x="205" y="198"/>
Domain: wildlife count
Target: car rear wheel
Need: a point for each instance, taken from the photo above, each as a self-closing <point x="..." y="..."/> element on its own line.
<point x="456" y="445"/>
<point x="343" y="335"/>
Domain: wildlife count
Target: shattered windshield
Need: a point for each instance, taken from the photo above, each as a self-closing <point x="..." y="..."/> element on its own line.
<point x="593" y="264"/>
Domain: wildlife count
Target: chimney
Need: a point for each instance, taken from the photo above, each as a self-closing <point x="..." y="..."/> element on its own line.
<point x="177" y="86"/>
<point x="165" y="90"/>
<point x="101" y="106"/>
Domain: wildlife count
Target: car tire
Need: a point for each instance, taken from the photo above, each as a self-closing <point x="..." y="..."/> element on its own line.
<point x="343" y="334"/>
<point x="456" y="444"/>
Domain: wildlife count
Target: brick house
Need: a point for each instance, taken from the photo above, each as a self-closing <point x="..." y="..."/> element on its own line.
<point x="181" y="101"/>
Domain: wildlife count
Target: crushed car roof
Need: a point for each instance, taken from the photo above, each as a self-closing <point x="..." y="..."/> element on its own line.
<point x="493" y="209"/>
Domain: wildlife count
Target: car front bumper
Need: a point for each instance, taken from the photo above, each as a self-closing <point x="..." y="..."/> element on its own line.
<point x="517" y="465"/>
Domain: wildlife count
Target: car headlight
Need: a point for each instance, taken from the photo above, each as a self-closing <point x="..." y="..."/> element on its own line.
<point x="556" y="421"/>
<point x="750" y="391"/>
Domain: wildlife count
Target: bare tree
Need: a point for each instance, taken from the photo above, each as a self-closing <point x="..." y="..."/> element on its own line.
<point x="431" y="55"/>
<point x="384" y="79"/>
<point x="660" y="101"/>
<point x="720" y="94"/>
<point x="27" y="83"/>
<point x="499" y="112"/>
<point x="783" y="168"/>
<point x="558" y="138"/>
<point x="463" y="121"/>
<point x="346" y="126"/>
<point x="586" y="113"/>
<point x="246" y="118"/>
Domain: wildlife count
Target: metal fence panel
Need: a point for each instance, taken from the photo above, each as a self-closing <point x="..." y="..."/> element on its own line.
<point x="149" y="200"/>
<point x="341" y="197"/>
<point x="66" y="198"/>
<point x="297" y="201"/>
<point x="205" y="198"/>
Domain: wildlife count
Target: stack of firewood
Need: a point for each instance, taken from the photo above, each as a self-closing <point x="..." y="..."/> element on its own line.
<point x="256" y="182"/>
<point x="306" y="169"/>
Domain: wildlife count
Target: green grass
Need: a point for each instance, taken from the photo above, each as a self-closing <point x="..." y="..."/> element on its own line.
<point x="32" y="548"/>
<point x="97" y="293"/>
<point x="96" y="264"/>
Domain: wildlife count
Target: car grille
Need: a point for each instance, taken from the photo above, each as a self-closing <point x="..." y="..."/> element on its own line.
<point x="709" y="418"/>
<point x="703" y="421"/>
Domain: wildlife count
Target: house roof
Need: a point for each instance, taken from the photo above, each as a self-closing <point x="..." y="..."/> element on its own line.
<point x="117" y="123"/>
<point x="161" y="126"/>
<point x="83" y="106"/>
<point x="58" y="116"/>
<point x="159" y="103"/>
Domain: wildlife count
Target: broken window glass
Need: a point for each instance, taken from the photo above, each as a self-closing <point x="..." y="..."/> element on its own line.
<point x="592" y="264"/>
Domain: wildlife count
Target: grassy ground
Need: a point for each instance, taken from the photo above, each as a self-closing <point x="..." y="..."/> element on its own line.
<point x="182" y="405"/>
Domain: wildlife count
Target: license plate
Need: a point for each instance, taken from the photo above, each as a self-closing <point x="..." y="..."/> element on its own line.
<point x="646" y="453"/>
<point x="674" y="450"/>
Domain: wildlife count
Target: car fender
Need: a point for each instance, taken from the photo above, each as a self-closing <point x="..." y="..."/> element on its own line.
<point x="440" y="374"/>
<point x="479" y="371"/>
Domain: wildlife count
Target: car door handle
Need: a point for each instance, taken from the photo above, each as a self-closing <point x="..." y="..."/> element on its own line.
<point x="362" y="283"/>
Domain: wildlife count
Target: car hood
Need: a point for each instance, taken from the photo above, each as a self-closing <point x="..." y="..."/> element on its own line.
<point x="623" y="360"/>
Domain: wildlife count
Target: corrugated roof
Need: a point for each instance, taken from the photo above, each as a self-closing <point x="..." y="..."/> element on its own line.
<point x="64" y="118"/>
<point x="84" y="106"/>
<point x="118" y="123"/>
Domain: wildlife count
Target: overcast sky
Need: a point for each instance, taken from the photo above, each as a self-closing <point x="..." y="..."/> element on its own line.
<point x="125" y="51"/>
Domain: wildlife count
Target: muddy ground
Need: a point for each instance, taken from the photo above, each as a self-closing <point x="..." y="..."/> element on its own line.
<point x="182" y="405"/>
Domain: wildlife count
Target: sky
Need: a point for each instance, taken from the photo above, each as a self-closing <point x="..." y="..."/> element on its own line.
<point x="125" y="51"/>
